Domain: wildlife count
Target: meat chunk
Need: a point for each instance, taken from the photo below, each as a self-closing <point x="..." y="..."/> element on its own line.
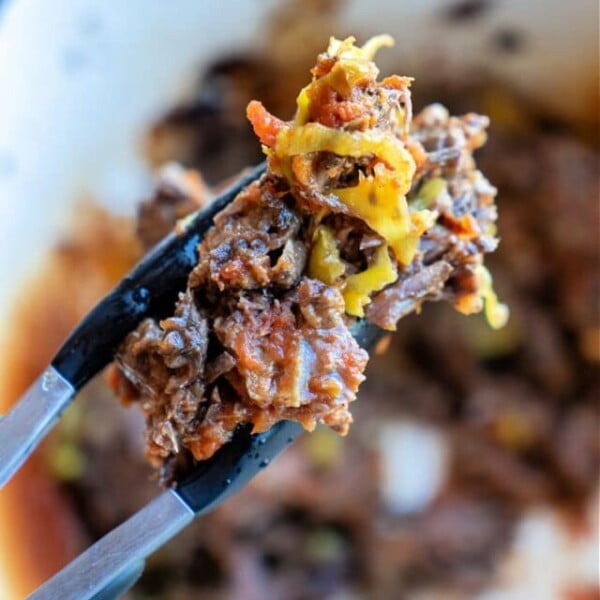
<point x="292" y="358"/>
<point x="448" y="263"/>
<point x="295" y="358"/>
<point x="163" y="363"/>
<point x="404" y="296"/>
<point x="253" y="245"/>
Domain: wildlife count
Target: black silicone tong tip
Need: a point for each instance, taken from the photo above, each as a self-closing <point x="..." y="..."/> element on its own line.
<point x="236" y="463"/>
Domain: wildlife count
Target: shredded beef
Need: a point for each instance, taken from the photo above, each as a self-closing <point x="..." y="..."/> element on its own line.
<point x="252" y="340"/>
<point x="253" y="245"/>
<point x="295" y="357"/>
<point x="281" y="347"/>
<point x="164" y="362"/>
<point x="257" y="338"/>
<point x="449" y="542"/>
<point x="400" y="299"/>
<point x="292" y="358"/>
<point x="451" y="249"/>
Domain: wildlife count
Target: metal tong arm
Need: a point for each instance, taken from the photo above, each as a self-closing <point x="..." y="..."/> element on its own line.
<point x="119" y="553"/>
<point x="30" y="420"/>
<point x="113" y="564"/>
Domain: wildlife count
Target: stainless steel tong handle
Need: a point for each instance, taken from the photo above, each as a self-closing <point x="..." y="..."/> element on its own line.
<point x="113" y="564"/>
<point x="22" y="429"/>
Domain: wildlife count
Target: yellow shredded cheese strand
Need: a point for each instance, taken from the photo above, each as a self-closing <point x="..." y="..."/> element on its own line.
<point x="324" y="262"/>
<point x="496" y="312"/>
<point x="314" y="137"/>
<point x="358" y="288"/>
<point x="378" y="199"/>
<point x="380" y="202"/>
<point x="346" y="49"/>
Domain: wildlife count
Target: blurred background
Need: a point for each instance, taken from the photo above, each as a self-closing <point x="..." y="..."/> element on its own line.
<point x="472" y="468"/>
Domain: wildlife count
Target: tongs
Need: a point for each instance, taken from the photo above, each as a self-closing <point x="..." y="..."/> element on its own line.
<point x="113" y="564"/>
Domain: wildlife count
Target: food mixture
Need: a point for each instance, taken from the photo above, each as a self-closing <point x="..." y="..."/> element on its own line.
<point x="516" y="409"/>
<point x="363" y="213"/>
